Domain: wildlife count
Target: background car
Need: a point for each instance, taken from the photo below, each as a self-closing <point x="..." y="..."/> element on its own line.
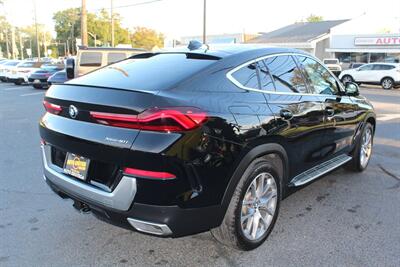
<point x="385" y="74"/>
<point x="39" y="78"/>
<point x="354" y="65"/>
<point x="333" y="65"/>
<point x="6" y="68"/>
<point x="20" y="73"/>
<point x="91" y="58"/>
<point x="58" y="77"/>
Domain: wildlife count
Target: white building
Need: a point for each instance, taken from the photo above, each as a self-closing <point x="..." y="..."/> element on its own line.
<point x="363" y="39"/>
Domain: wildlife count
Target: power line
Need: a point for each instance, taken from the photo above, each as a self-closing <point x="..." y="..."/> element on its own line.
<point x="130" y="5"/>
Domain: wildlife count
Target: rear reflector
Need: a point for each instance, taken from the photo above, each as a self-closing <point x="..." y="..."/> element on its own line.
<point x="165" y="120"/>
<point x="149" y="174"/>
<point x="52" y="108"/>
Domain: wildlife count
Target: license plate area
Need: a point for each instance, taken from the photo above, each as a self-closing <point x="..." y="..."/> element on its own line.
<point x="76" y="166"/>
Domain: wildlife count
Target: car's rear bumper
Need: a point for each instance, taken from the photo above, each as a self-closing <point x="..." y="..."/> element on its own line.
<point x="119" y="208"/>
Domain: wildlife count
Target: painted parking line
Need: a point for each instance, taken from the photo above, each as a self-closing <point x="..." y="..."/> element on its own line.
<point x="388" y="117"/>
<point x="36" y="93"/>
<point x="15" y="88"/>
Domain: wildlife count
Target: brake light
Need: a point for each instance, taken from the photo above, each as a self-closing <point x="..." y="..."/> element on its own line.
<point x="52" y="108"/>
<point x="165" y="120"/>
<point x="149" y="174"/>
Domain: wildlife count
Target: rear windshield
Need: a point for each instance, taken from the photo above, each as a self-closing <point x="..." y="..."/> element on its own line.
<point x="91" y="59"/>
<point x="331" y="61"/>
<point x="157" y="72"/>
<point x="26" y="65"/>
<point x="114" y="57"/>
<point x="51" y="67"/>
<point x="12" y="63"/>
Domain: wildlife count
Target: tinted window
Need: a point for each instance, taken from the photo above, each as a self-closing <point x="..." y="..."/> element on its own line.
<point x="265" y="76"/>
<point x="114" y="57"/>
<point x="383" y="67"/>
<point x="331" y="61"/>
<point x="366" y="67"/>
<point x="90" y="59"/>
<point x="321" y="80"/>
<point x="27" y="65"/>
<point x="287" y="76"/>
<point x="247" y="76"/>
<point x="154" y="73"/>
<point x="12" y="63"/>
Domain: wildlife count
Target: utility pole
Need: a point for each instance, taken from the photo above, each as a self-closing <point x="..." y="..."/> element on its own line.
<point x="21" y="45"/>
<point x="112" y="23"/>
<point x="44" y="44"/>
<point x="7" y="47"/>
<point x="37" y="31"/>
<point x="13" y="45"/>
<point x="204" y="21"/>
<point x="84" y="24"/>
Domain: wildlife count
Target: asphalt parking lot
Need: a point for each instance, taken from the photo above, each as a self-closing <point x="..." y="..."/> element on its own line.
<point x="342" y="219"/>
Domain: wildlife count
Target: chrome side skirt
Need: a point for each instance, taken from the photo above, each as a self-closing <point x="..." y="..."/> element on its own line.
<point x="319" y="170"/>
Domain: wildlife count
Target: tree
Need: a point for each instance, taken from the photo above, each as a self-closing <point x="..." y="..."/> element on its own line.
<point x="146" y="38"/>
<point x="28" y="35"/>
<point x="314" y="18"/>
<point x="98" y="24"/>
<point x="68" y="26"/>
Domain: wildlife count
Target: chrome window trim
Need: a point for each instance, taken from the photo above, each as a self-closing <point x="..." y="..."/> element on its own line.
<point x="230" y="77"/>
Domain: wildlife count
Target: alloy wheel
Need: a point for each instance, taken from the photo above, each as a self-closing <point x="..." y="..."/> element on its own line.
<point x="366" y="147"/>
<point x="347" y="79"/>
<point x="258" y="206"/>
<point x="387" y="83"/>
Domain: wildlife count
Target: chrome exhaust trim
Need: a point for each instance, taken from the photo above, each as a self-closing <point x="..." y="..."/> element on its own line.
<point x="149" y="227"/>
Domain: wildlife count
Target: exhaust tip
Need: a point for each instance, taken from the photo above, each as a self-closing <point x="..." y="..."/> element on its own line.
<point x="81" y="207"/>
<point x="149" y="227"/>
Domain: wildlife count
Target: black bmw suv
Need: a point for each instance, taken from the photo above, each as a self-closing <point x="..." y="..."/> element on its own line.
<point x="176" y="143"/>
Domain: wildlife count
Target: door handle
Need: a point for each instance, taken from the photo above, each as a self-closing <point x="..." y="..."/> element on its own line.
<point x="329" y="111"/>
<point x="286" y="114"/>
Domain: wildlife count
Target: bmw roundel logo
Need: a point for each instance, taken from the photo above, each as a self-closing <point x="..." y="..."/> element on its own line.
<point x="73" y="111"/>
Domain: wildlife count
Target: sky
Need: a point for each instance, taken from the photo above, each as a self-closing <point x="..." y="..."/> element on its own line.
<point x="175" y="18"/>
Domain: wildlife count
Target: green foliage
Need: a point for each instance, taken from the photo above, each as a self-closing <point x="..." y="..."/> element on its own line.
<point x="314" y="18"/>
<point x="97" y="24"/>
<point x="146" y="38"/>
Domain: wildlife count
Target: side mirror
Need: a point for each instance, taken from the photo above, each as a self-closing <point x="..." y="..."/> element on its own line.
<point x="352" y="89"/>
<point x="70" y="68"/>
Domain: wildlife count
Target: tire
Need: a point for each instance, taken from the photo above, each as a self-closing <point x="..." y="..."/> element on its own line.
<point x="387" y="83"/>
<point x="17" y="82"/>
<point x="357" y="164"/>
<point x="347" y="79"/>
<point x="231" y="232"/>
<point x="37" y="86"/>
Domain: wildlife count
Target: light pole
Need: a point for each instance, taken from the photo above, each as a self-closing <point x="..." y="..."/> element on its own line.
<point x="94" y="37"/>
<point x="37" y="31"/>
<point x="84" y="24"/>
<point x="112" y="23"/>
<point x="204" y="21"/>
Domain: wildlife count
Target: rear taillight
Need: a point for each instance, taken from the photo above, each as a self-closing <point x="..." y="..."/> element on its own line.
<point x="52" y="108"/>
<point x="149" y="174"/>
<point x="165" y="120"/>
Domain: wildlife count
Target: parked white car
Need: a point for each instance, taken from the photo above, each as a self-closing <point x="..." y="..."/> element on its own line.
<point x="20" y="73"/>
<point x="385" y="74"/>
<point x="5" y="69"/>
<point x="333" y="65"/>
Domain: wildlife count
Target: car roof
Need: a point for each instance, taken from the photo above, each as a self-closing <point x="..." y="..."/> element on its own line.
<point x="223" y="51"/>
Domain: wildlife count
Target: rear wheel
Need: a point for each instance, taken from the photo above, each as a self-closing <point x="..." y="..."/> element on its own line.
<point x="387" y="83"/>
<point x="347" y="79"/>
<point x="363" y="150"/>
<point x="37" y="86"/>
<point x="19" y="82"/>
<point x="253" y="209"/>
